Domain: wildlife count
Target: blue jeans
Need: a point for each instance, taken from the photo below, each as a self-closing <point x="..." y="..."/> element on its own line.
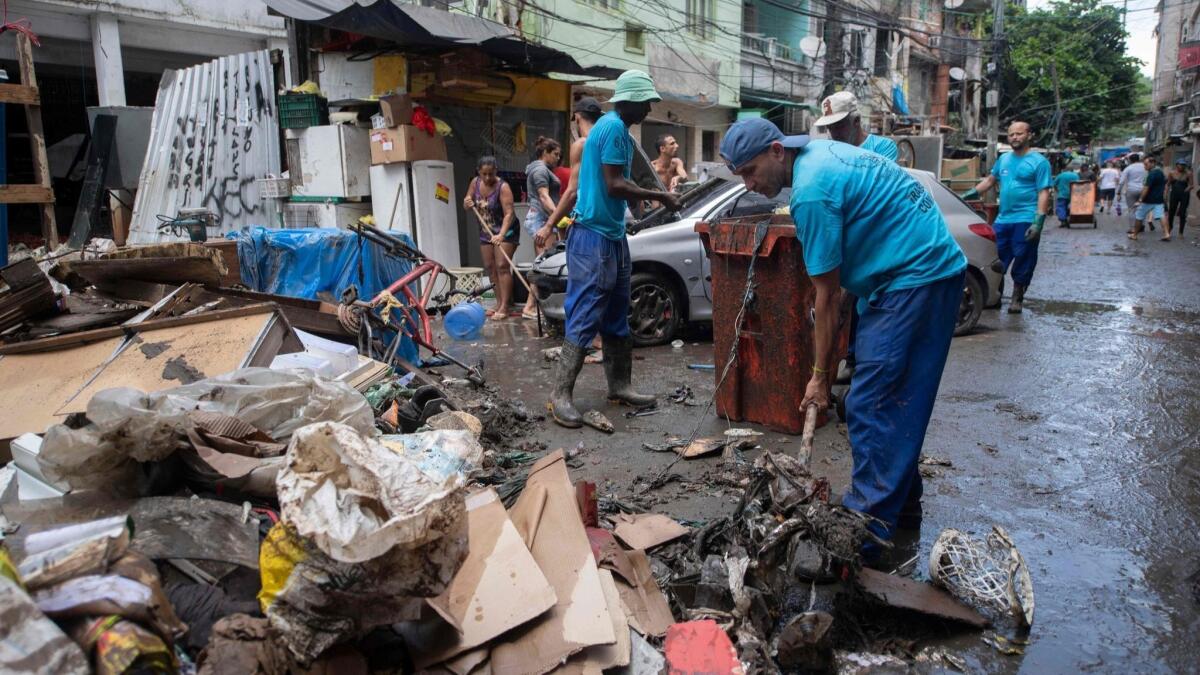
<point x="901" y="347"/>
<point x="534" y="220"/>
<point x="1017" y="255"/>
<point x="598" y="271"/>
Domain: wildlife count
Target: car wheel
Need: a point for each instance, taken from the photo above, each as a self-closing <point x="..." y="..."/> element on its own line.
<point x="655" y="310"/>
<point x="971" y="305"/>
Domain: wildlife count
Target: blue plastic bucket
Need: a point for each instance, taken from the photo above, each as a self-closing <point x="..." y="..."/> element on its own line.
<point x="464" y="321"/>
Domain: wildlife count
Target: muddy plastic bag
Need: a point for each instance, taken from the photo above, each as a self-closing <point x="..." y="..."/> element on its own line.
<point x="357" y="498"/>
<point x="367" y="531"/>
<point x="989" y="573"/>
<point x="127" y="425"/>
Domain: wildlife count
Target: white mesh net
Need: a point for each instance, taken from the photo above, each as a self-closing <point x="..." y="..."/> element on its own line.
<point x="990" y="573"/>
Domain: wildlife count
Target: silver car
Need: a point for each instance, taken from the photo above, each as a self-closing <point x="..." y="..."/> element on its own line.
<point x="671" y="283"/>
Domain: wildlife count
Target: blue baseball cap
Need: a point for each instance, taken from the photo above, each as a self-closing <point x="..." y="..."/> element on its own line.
<point x="748" y="138"/>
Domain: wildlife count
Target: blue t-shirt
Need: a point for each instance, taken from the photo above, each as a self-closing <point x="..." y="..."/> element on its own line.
<point x="1063" y="183"/>
<point x="607" y="143"/>
<point x="881" y="146"/>
<point x="864" y="214"/>
<point x="1021" y="179"/>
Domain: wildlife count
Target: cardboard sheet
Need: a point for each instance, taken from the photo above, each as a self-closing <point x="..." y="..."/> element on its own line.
<point x="644" y="531"/>
<point x="168" y="357"/>
<point x="34" y="386"/>
<point x="547" y="515"/>
<point x="645" y="605"/>
<point x="498" y="588"/>
<point x="602" y="657"/>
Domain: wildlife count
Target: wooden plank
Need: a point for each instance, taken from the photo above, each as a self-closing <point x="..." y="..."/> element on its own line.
<point x="905" y="593"/>
<point x="174" y="270"/>
<point x="37" y="141"/>
<point x="33" y="386"/>
<point x="86" y="337"/>
<point x="19" y="94"/>
<point x="163" y="358"/>
<point x="26" y="194"/>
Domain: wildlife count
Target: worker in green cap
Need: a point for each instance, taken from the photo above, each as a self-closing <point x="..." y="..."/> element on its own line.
<point x="598" y="264"/>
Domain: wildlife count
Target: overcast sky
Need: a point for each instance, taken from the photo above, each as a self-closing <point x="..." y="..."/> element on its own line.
<point x="1141" y="21"/>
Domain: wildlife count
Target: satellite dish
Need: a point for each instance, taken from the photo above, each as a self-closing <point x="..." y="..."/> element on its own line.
<point x="954" y="4"/>
<point x="812" y="46"/>
<point x="957" y="73"/>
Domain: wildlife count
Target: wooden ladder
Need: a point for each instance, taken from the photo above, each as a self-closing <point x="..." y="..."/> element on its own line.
<point x="26" y="94"/>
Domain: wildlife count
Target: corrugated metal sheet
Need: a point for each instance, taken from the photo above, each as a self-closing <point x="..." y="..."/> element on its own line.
<point x="215" y="133"/>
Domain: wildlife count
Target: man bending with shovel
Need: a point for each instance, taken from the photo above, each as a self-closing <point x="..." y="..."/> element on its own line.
<point x="867" y="226"/>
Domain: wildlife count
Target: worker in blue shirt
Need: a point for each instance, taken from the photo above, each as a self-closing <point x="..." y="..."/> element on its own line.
<point x="1062" y="188"/>
<point x="866" y="225"/>
<point x="598" y="263"/>
<point x="841" y="119"/>
<point x="1024" y="177"/>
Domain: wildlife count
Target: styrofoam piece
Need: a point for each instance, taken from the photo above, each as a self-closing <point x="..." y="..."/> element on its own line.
<point x="30" y="488"/>
<point x="303" y="361"/>
<point x="342" y="357"/>
<point x="25" y="449"/>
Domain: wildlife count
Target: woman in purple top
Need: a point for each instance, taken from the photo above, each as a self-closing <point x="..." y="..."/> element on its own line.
<point x="494" y="199"/>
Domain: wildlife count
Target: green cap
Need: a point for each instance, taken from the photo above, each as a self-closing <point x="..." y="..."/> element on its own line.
<point x="636" y="86"/>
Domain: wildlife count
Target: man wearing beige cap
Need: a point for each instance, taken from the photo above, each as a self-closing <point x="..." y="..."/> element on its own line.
<point x="841" y="119"/>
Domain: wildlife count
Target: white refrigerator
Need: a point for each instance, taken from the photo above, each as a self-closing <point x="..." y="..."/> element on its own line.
<point x="418" y="199"/>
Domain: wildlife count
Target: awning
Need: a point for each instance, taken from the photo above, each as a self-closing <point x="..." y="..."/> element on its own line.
<point x="414" y="26"/>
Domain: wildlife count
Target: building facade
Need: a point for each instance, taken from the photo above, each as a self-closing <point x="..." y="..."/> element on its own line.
<point x="1173" y="127"/>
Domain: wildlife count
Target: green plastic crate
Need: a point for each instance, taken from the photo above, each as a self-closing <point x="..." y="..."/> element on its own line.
<point x="300" y="111"/>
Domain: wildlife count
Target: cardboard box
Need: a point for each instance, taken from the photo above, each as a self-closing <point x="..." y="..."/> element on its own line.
<point x="396" y="109"/>
<point x="961" y="169"/>
<point x="405" y="143"/>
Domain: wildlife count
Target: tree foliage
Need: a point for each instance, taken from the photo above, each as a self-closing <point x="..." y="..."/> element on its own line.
<point x="1084" y="41"/>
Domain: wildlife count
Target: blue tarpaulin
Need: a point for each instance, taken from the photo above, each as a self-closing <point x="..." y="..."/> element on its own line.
<point x="899" y="102"/>
<point x="319" y="264"/>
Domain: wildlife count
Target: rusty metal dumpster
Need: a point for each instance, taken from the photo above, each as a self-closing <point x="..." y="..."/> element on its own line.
<point x="773" y="333"/>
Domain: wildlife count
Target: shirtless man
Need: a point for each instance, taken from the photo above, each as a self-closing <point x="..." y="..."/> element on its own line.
<point x="585" y="113"/>
<point x="669" y="167"/>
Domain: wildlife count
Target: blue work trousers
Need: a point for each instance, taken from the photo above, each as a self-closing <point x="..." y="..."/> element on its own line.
<point x="901" y="346"/>
<point x="598" y="271"/>
<point x="1062" y="209"/>
<point x="1018" y="256"/>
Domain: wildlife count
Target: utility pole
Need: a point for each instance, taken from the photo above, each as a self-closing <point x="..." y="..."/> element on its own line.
<point x="992" y="100"/>
<point x="1058" y="113"/>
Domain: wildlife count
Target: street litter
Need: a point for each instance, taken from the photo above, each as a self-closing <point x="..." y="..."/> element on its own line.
<point x="596" y="420"/>
<point x="991" y="574"/>
<point x="647" y="530"/>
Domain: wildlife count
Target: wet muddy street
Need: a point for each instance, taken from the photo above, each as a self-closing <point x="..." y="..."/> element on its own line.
<point x="1075" y="426"/>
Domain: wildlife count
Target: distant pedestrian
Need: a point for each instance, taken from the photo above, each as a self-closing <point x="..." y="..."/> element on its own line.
<point x="1087" y="174"/>
<point x="667" y="165"/>
<point x="1150" y="201"/>
<point x="585" y="113"/>
<point x="1025" y="189"/>
<point x="1062" y="202"/>
<point x="494" y="199"/>
<point x="1109" y="178"/>
<point x="542" y="189"/>
<point x="1181" y="183"/>
<point x="843" y="122"/>
<point x="1133" y="179"/>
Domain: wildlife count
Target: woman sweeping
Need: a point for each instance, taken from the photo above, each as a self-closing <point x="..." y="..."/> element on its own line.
<point x="491" y="199"/>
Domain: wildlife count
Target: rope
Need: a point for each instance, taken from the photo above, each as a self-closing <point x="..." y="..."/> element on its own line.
<point x="20" y="26"/>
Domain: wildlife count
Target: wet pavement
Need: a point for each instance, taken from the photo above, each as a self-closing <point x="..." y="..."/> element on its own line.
<point x="1075" y="426"/>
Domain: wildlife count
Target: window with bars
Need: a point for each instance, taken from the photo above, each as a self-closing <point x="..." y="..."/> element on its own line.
<point x="749" y="17"/>
<point x="606" y="4"/>
<point x="883" y="42"/>
<point x="700" y="15"/>
<point x="856" y="49"/>
<point x="635" y="38"/>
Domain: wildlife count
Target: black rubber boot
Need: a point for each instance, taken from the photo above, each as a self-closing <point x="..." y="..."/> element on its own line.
<point x="1018" y="298"/>
<point x="562" y="405"/>
<point x="618" y="368"/>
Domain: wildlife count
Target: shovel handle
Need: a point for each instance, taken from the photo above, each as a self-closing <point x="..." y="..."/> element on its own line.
<point x="806" y="438"/>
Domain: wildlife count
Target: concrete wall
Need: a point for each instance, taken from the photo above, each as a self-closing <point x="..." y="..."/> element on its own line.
<point x="1170" y="27"/>
<point x="703" y="71"/>
<point x="786" y="26"/>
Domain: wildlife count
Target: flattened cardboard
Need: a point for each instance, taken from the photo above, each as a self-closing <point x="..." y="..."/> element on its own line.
<point x="602" y="657"/>
<point x="33" y="386"/>
<point x="644" y="531"/>
<point x="498" y="588"/>
<point x="645" y="605"/>
<point x="580" y="618"/>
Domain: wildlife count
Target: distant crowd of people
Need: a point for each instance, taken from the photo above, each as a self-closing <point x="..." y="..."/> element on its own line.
<point x="1137" y="186"/>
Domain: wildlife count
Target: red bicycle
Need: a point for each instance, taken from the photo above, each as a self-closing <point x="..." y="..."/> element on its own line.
<point x="399" y="308"/>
